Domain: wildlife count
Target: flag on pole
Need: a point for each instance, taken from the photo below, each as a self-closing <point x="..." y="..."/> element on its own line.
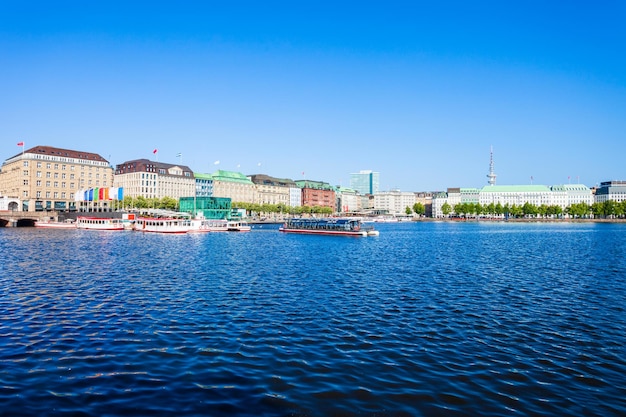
<point x="155" y="151"/>
<point x="20" y="143"/>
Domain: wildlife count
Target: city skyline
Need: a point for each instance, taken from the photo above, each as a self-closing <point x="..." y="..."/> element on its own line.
<point x="415" y="92"/>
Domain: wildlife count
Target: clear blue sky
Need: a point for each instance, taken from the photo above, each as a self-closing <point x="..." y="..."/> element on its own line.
<point x="417" y="91"/>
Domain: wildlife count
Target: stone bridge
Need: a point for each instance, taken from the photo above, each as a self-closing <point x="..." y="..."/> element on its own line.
<point x="25" y="218"/>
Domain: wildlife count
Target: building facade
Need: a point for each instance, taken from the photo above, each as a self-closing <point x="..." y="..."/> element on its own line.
<point x="234" y="185"/>
<point x="151" y="179"/>
<point x="204" y="185"/>
<point x="48" y="178"/>
<point x="394" y="202"/>
<point x="611" y="190"/>
<point x="365" y="182"/>
<point x="516" y="194"/>
<point x="317" y="193"/>
<point x="348" y="200"/>
<point x="272" y="190"/>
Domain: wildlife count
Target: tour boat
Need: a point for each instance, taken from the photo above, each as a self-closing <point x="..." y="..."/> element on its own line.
<point x="163" y="225"/>
<point x="328" y="226"/>
<point x="97" y="223"/>
<point x="219" y="225"/>
<point x="67" y="224"/>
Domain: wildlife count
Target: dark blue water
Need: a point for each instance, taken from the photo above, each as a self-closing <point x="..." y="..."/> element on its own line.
<point x="426" y="319"/>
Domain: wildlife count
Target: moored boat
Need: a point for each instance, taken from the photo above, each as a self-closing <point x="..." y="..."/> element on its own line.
<point x="163" y="225"/>
<point x="67" y="224"/>
<point x="97" y="223"/>
<point x="219" y="225"/>
<point x="328" y="226"/>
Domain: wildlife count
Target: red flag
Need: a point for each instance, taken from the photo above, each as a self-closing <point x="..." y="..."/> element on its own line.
<point x="20" y="143"/>
<point x="155" y="151"/>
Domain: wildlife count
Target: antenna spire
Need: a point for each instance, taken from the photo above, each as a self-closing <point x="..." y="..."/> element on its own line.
<point x="492" y="175"/>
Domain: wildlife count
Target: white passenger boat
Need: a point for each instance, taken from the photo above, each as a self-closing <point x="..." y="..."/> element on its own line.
<point x="47" y="224"/>
<point x="97" y="223"/>
<point x="219" y="225"/>
<point x="163" y="225"/>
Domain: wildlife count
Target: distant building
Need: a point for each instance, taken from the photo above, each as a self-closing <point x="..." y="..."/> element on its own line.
<point x="426" y="199"/>
<point x="567" y="194"/>
<point x="234" y="185"/>
<point x="394" y="202"/>
<point x="48" y="178"/>
<point x="151" y="179"/>
<point x="208" y="207"/>
<point x="272" y="190"/>
<point x="348" y="200"/>
<point x="516" y="194"/>
<point x="611" y="190"/>
<point x="317" y="193"/>
<point x="365" y="182"/>
<point x="204" y="185"/>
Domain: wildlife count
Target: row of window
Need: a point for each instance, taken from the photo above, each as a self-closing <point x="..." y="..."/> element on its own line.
<point x="56" y="166"/>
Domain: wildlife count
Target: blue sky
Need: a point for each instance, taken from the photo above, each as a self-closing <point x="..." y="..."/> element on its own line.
<point x="417" y="91"/>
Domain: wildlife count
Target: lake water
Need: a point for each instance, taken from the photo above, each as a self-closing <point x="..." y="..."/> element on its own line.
<point x="485" y="319"/>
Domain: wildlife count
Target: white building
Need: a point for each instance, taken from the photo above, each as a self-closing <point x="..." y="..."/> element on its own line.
<point x="516" y="194"/>
<point x="348" y="200"/>
<point x="394" y="201"/>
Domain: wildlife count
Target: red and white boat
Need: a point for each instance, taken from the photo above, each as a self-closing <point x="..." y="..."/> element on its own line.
<point x="163" y="225"/>
<point x="97" y="223"/>
<point x="67" y="224"/>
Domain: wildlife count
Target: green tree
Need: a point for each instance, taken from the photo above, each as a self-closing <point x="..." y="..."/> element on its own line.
<point x="419" y="209"/>
<point x="446" y="209"/>
<point x="499" y="210"/>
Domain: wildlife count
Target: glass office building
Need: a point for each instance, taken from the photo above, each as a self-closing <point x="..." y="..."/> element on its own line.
<point x="365" y="182"/>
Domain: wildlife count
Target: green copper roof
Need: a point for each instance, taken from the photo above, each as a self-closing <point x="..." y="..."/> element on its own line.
<point x="231" y="176"/>
<point x="515" y="189"/>
<point x="203" y="176"/>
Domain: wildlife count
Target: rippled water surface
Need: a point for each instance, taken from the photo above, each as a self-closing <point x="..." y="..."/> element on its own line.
<point x="426" y="319"/>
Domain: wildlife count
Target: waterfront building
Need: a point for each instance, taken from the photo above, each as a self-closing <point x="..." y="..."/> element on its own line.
<point x="316" y="193"/>
<point x="204" y="185"/>
<point x="48" y="178"/>
<point x="208" y="207"/>
<point x="348" y="200"/>
<point x="152" y="179"/>
<point x="516" y="194"/>
<point x="394" y="202"/>
<point x="611" y="190"/>
<point x="234" y="185"/>
<point x="272" y="190"/>
<point x="426" y="199"/>
<point x="8" y="204"/>
<point x="365" y="182"/>
<point x="567" y="194"/>
<point x="295" y="196"/>
<point x="438" y="200"/>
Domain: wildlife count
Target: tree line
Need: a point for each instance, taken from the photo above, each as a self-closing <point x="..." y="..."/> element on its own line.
<point x="607" y="209"/>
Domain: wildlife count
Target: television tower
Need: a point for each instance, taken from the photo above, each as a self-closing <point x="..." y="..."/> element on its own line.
<point x="492" y="175"/>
